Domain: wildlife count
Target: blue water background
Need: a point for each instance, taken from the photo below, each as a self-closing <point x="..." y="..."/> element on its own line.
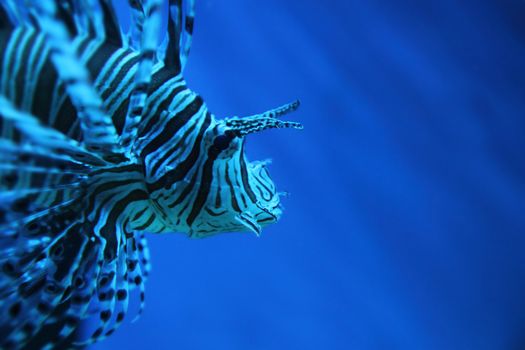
<point x="405" y="228"/>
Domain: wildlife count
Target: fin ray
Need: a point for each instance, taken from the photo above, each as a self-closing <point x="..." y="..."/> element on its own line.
<point x="98" y="131"/>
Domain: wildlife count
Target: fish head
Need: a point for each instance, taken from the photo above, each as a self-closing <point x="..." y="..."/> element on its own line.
<point x="240" y="195"/>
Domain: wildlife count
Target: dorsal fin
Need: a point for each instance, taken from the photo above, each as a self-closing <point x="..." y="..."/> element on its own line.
<point x="111" y="27"/>
<point x="180" y="30"/>
<point x="88" y="17"/>
<point x="65" y="13"/>
<point x="172" y="58"/>
<point x="137" y="23"/>
<point x="82" y="17"/>
<point x="98" y="130"/>
<point x="187" y="34"/>
<point x="148" y="45"/>
<point x="5" y="20"/>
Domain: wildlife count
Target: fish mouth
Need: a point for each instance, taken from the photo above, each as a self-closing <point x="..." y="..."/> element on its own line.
<point x="272" y="214"/>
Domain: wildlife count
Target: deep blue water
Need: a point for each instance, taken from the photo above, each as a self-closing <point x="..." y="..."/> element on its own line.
<point x="405" y="226"/>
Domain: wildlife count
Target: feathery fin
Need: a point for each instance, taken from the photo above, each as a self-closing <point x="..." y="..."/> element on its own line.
<point x="137" y="23"/>
<point x="43" y="137"/>
<point x="172" y="57"/>
<point x="65" y="13"/>
<point x="180" y="30"/>
<point x="148" y="45"/>
<point x="111" y="27"/>
<point x="5" y="20"/>
<point x="98" y="130"/>
<point x="187" y="35"/>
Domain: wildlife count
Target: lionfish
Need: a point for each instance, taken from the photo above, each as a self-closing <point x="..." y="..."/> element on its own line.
<point x="101" y="141"/>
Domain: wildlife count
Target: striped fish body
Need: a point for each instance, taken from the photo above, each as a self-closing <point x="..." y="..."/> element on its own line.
<point x="100" y="141"/>
<point x="175" y="138"/>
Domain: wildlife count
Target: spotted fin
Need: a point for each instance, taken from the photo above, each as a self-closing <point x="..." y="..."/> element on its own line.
<point x="43" y="234"/>
<point x="37" y="269"/>
<point x="53" y="259"/>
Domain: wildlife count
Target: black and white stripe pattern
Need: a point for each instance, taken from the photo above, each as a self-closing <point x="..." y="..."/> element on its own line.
<point x="101" y="141"/>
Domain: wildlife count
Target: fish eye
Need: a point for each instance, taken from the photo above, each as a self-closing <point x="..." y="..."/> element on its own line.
<point x="222" y="141"/>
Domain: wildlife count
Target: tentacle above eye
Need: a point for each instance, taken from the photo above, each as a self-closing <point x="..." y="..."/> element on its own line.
<point x="267" y="120"/>
<point x="280" y="111"/>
